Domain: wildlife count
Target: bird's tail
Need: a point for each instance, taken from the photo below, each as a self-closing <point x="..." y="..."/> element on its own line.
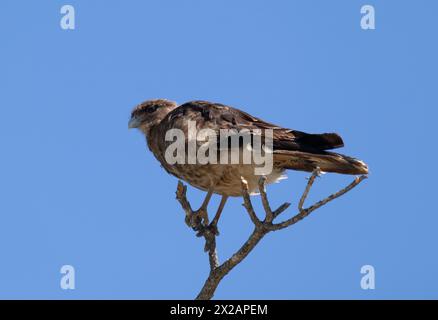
<point x="326" y="161"/>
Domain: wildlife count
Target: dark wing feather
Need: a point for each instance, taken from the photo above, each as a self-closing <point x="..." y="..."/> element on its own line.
<point x="292" y="149"/>
<point x="221" y="116"/>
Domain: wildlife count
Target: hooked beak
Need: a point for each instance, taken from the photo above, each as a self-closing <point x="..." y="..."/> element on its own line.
<point x="133" y="123"/>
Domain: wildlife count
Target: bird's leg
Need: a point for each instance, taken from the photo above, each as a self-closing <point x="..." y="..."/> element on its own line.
<point x="213" y="225"/>
<point x="202" y="211"/>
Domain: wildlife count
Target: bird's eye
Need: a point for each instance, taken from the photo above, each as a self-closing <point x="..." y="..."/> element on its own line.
<point x="151" y="109"/>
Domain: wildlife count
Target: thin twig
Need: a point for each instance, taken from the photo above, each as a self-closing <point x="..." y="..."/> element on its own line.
<point x="247" y="203"/>
<point x="305" y="212"/>
<point x="181" y="191"/>
<point x="341" y="192"/>
<point x="265" y="202"/>
<point x="309" y="185"/>
<point x="281" y="209"/>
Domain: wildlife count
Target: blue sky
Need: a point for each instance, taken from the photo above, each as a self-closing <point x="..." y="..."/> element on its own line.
<point x="78" y="188"/>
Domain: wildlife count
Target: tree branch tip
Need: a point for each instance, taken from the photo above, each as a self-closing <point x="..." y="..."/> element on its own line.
<point x="181" y="189"/>
<point x="281" y="209"/>
<point x="284" y="205"/>
<point x="359" y="179"/>
<point x="317" y="172"/>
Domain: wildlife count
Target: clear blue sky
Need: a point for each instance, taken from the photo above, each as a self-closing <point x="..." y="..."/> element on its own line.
<point x="78" y="188"/>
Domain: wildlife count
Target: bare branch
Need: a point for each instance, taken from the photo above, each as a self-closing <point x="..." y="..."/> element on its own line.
<point x="247" y="203"/>
<point x="265" y="202"/>
<point x="341" y="192"/>
<point x="315" y="174"/>
<point x="305" y="212"/>
<point x="217" y="271"/>
<point x="181" y="191"/>
<point x="281" y="209"/>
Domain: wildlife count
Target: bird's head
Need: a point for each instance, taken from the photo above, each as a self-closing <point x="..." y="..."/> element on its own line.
<point x="150" y="113"/>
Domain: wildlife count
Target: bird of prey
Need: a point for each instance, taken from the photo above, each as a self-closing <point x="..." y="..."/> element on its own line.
<point x="292" y="149"/>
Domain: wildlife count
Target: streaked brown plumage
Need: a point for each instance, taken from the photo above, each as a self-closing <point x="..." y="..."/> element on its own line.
<point x="293" y="149"/>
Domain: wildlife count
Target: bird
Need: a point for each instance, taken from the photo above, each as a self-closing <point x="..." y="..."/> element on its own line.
<point x="291" y="149"/>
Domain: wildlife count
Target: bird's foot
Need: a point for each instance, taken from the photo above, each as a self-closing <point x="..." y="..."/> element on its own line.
<point x="211" y="228"/>
<point x="193" y="221"/>
<point x="197" y="220"/>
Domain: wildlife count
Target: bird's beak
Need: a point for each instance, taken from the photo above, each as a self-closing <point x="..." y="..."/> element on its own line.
<point x="133" y="123"/>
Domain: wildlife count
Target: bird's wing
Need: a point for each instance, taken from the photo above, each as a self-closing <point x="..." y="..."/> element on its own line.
<point x="218" y="117"/>
<point x="292" y="149"/>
